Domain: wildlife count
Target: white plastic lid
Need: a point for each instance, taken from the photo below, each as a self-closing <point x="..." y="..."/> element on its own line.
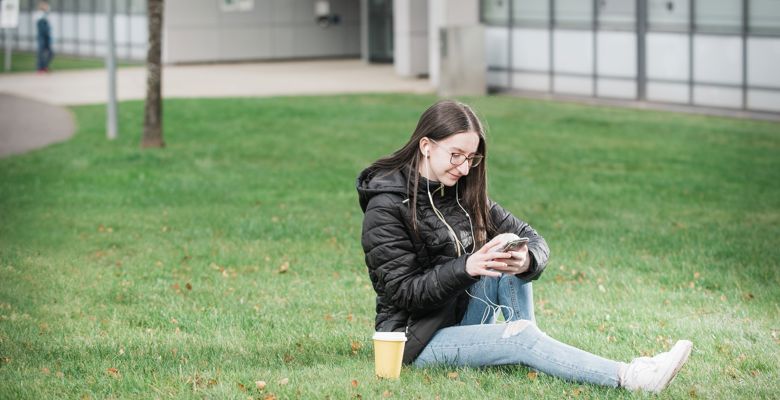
<point x="390" y="336"/>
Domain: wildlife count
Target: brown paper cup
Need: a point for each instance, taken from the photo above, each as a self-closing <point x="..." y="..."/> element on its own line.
<point x="388" y="354"/>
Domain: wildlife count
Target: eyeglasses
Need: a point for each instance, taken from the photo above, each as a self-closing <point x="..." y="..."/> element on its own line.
<point x="459" y="158"/>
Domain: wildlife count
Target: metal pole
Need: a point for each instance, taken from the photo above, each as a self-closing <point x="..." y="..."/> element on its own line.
<point x="551" y="48"/>
<point x="111" y="67"/>
<point x="594" y="26"/>
<point x="641" y="49"/>
<point x="8" y="49"/>
<point x="745" y="16"/>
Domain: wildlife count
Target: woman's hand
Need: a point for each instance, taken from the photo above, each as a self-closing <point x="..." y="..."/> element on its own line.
<point x="489" y="263"/>
<point x="520" y="261"/>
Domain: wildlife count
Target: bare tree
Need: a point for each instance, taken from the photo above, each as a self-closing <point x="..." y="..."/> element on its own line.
<point x="153" y="133"/>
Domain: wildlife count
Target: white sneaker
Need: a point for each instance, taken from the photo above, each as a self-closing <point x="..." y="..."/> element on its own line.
<point x="655" y="374"/>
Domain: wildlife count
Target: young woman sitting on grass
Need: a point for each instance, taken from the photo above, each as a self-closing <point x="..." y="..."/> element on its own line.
<point x="439" y="278"/>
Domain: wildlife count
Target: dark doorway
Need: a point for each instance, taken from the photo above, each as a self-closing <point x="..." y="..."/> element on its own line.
<point x="380" y="31"/>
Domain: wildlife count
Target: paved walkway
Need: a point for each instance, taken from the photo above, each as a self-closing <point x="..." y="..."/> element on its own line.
<point x="28" y="120"/>
<point x="27" y="124"/>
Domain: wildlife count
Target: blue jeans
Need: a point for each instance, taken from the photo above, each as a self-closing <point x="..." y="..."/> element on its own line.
<point x="475" y="344"/>
<point x="44" y="56"/>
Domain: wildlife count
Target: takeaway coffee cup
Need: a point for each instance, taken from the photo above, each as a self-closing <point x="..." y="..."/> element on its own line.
<point x="388" y="354"/>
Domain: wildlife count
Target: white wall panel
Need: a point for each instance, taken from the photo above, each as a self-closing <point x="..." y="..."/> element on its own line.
<point x="120" y="29"/>
<point x="667" y="92"/>
<point x="530" y="81"/>
<point x="531" y="49"/>
<point x="244" y="43"/>
<point x="616" y="88"/>
<point x="717" y="96"/>
<point x="616" y="54"/>
<point x="573" y="85"/>
<point x="717" y="59"/>
<point x="667" y="56"/>
<point x="85" y="27"/>
<point x="764" y="62"/>
<point x="496" y="45"/>
<point x="764" y="100"/>
<point x="497" y="79"/>
<point x="68" y="27"/>
<point x="139" y="29"/>
<point x="573" y="51"/>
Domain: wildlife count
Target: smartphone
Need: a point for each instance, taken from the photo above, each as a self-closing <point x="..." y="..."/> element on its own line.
<point x="514" y="245"/>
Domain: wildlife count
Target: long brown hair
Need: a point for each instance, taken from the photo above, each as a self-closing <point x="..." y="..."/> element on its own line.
<point x="438" y="122"/>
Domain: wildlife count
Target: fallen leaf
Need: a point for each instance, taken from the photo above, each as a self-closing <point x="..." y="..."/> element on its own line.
<point x="696" y="275"/>
<point x="356" y="346"/>
<point x="113" y="372"/>
<point x="755" y="372"/>
<point x="387" y="394"/>
<point x="284" y="381"/>
<point x="45" y="370"/>
<point x="452" y="375"/>
<point x="576" y="392"/>
<point x="270" y="396"/>
<point x="212" y="382"/>
<point x="175" y="287"/>
<point x="241" y="387"/>
<point x="188" y="286"/>
<point x="328" y="317"/>
<point x="354" y="383"/>
<point x="174" y="321"/>
<point x="284" y="267"/>
<point x="532" y="375"/>
<point x="260" y="385"/>
<point x="350" y="317"/>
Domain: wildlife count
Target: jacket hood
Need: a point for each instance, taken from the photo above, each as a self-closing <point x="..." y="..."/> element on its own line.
<point x="372" y="182"/>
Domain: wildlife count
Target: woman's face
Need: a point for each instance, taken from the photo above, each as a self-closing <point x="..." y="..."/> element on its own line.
<point x="437" y="167"/>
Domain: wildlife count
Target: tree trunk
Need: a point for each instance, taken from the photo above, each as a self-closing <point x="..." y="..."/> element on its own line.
<point x="153" y="133"/>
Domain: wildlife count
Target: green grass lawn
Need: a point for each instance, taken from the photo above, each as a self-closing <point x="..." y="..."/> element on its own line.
<point x="233" y="255"/>
<point x="25" y="62"/>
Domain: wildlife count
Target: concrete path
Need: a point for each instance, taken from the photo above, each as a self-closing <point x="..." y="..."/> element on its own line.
<point x="216" y="80"/>
<point x="27" y="124"/>
<point x="30" y="118"/>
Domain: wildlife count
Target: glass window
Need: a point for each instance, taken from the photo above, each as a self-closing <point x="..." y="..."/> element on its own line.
<point x="138" y="7"/>
<point x="85" y="6"/>
<point x="764" y="16"/>
<point x="69" y="6"/>
<point x="495" y="12"/>
<point x="574" y="13"/>
<point x="718" y="16"/>
<point x="617" y="13"/>
<point x="531" y="12"/>
<point x="121" y="6"/>
<point x="668" y="15"/>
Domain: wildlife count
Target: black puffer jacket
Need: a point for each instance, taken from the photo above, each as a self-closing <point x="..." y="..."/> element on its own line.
<point x="420" y="282"/>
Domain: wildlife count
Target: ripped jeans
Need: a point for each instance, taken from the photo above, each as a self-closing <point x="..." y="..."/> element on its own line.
<point x="478" y="341"/>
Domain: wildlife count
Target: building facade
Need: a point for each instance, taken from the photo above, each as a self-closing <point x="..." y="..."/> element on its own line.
<point x="713" y="53"/>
